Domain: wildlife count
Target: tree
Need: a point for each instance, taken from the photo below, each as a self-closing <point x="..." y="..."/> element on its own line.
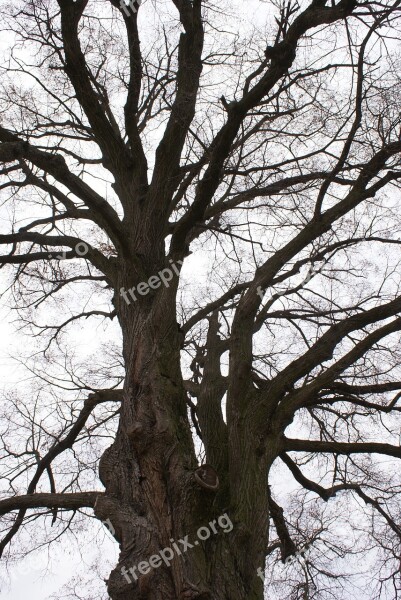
<point x="139" y="139"/>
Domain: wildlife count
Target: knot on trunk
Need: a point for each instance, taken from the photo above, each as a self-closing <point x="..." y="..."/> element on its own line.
<point x="207" y="477"/>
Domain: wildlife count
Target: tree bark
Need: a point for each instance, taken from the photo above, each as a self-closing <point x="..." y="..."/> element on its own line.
<point x="152" y="498"/>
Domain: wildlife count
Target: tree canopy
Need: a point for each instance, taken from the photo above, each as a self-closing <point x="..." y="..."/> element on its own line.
<point x="200" y="234"/>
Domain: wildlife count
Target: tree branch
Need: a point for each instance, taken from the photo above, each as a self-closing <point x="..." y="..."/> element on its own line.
<point x="71" y="501"/>
<point x="347" y="448"/>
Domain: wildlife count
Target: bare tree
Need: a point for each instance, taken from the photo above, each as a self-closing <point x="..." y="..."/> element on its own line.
<point x="137" y="143"/>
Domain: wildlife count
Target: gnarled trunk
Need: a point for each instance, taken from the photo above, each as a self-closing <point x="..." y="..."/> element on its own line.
<point x="152" y="497"/>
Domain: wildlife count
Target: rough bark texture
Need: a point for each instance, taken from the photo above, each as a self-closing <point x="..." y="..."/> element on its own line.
<point x="152" y="496"/>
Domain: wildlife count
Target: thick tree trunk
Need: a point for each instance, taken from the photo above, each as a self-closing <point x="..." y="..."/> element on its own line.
<point x="152" y="497"/>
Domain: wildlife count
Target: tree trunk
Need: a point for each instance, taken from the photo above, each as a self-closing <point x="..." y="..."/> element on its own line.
<point x="152" y="497"/>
